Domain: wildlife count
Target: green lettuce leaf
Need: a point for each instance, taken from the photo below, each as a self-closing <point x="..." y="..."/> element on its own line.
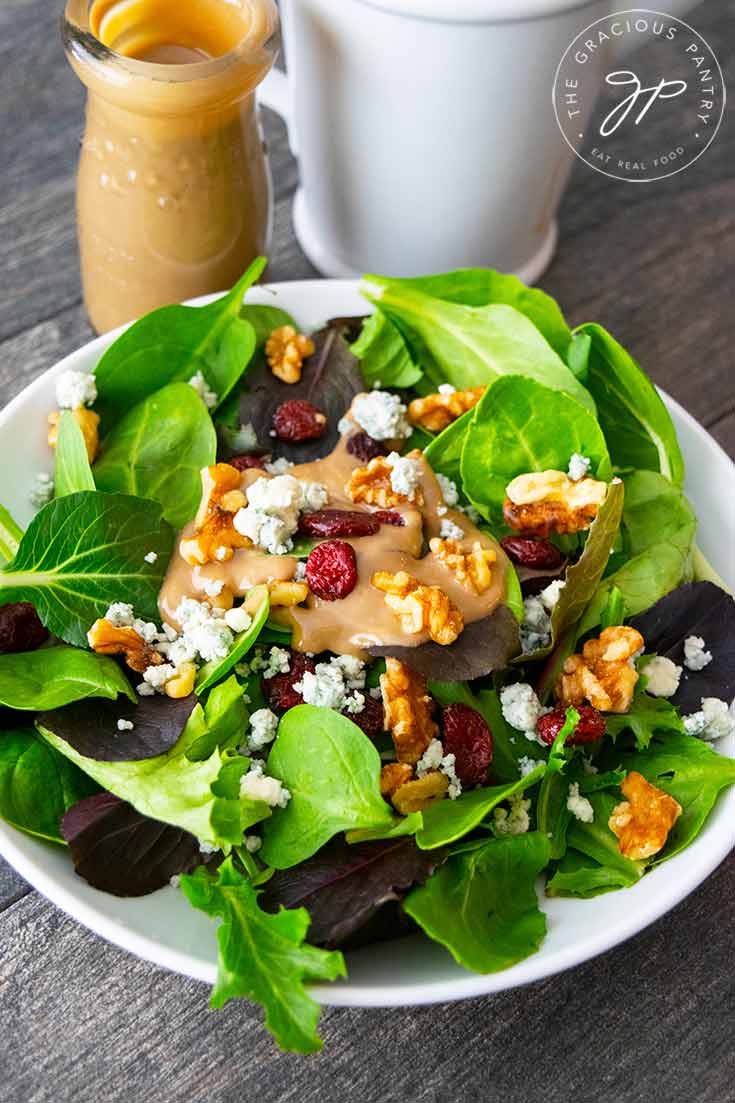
<point x="264" y="957"/>
<point x="71" y="466"/>
<point x="446" y="821"/>
<point x="10" y="536"/>
<point x="444" y="454"/>
<point x="220" y="722"/>
<point x="578" y="875"/>
<point x="383" y="355"/>
<point x="646" y="716"/>
<point x="597" y="841"/>
<point x="56" y="676"/>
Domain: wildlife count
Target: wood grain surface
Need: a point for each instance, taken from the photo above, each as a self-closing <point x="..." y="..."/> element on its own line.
<point x="652" y="1019"/>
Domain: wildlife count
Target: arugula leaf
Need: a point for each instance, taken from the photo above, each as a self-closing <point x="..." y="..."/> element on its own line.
<point x="637" y="426"/>
<point x="597" y="841"/>
<point x="383" y="355"/>
<point x="510" y="435"/>
<point x="471" y="345"/>
<point x="212" y="672"/>
<point x="157" y="450"/>
<point x="445" y="821"/>
<point x="173" y="344"/>
<point x="10" y="535"/>
<point x="444" y="454"/>
<point x="578" y="875"/>
<point x="37" y="784"/>
<point x="264" y="957"/>
<point x="332" y="771"/>
<point x="220" y="722"/>
<point x="552" y="815"/>
<point x="481" y="904"/>
<point x="71" y="471"/>
<point x="55" y="676"/>
<point x="81" y="553"/>
<point x="646" y="716"/>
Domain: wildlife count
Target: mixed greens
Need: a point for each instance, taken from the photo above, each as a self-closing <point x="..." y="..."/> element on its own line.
<point x="195" y="749"/>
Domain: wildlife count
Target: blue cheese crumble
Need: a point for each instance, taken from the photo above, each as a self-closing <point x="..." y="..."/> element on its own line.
<point x="579" y="466"/>
<point x="514" y="820"/>
<point x="449" y="531"/>
<point x="75" y="389"/>
<point x="578" y="805"/>
<point x="256" y="785"/>
<point x="696" y="657"/>
<point x="202" y="388"/>
<point x="271" y="516"/>
<point x="335" y="685"/>
<point x="405" y="475"/>
<point x="715" y="720"/>
<point x="380" y="414"/>
<point x="663" y="676"/>
<point x="42" y="490"/>
<point x="527" y="765"/>
<point x="263" y="728"/>
<point x="521" y="709"/>
<point x="433" y="759"/>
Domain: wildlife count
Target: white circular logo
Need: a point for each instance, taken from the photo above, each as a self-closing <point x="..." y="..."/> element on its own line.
<point x="675" y="88"/>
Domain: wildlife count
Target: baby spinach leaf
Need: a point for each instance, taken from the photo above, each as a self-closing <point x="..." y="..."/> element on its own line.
<point x="444" y="454"/>
<point x="481" y="904"/>
<point x="213" y="671"/>
<point x="521" y="425"/>
<point x="37" y="784"/>
<point x="400" y="827"/>
<point x="10" y="536"/>
<point x="343" y="886"/>
<point x="71" y="471"/>
<point x="173" y="344"/>
<point x="445" y="821"/>
<point x="56" y="676"/>
<point x="332" y="771"/>
<point x="471" y="345"/>
<point x="83" y="552"/>
<point x="384" y="358"/>
<point x="578" y="875"/>
<point x="637" y="426"/>
<point x="90" y="726"/>
<point x="157" y="450"/>
<point x="220" y="722"/>
<point x="264" y="319"/>
<point x="578" y="355"/>
<point x="646" y="715"/>
<point x="117" y="850"/>
<point x="596" y="840"/>
<point x="264" y="957"/>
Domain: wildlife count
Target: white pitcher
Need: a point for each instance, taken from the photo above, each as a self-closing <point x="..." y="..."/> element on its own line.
<point x="425" y="132"/>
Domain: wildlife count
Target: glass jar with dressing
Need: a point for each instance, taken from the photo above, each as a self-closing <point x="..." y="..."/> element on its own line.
<point x="173" y="193"/>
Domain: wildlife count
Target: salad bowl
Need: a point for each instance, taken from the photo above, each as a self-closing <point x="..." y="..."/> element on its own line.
<point x="165" y="930"/>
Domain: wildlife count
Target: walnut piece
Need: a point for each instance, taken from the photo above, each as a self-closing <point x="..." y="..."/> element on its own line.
<point x="215" y="536"/>
<point x="603" y="674"/>
<point x="470" y="567"/>
<point x="415" y="795"/>
<point x="372" y="484"/>
<point x="106" y="639"/>
<point x="407" y="710"/>
<point x="287" y="593"/>
<point x="88" y="422"/>
<point x="643" y="821"/>
<point x="420" y="608"/>
<point x="435" y="411"/>
<point x="542" y="502"/>
<point x="285" y="351"/>
<point x="393" y="776"/>
<point x="182" y="684"/>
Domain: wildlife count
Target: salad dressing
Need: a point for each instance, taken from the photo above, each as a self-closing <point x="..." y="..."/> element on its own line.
<point x="362" y="619"/>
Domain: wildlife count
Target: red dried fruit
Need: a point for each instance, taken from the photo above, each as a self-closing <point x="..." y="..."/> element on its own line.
<point x="591" y="726"/>
<point x="529" y="551"/>
<point x="370" y="720"/>
<point x="469" y="739"/>
<point x="331" y="570"/>
<point x="280" y="689"/>
<point x="389" y="517"/>
<point x="364" y="448"/>
<point x="248" y="460"/>
<point x="20" y="628"/>
<point x="297" y="420"/>
<point x="338" y="522"/>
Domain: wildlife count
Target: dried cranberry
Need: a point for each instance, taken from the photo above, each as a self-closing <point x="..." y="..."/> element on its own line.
<point x="529" y="551"/>
<point x="280" y="689"/>
<point x="297" y="420"/>
<point x="591" y="726"/>
<point x="331" y="570"/>
<point x="469" y="739"/>
<point x="370" y="720"/>
<point x="248" y="460"/>
<point x="20" y="628"/>
<point x="389" y="517"/>
<point x="363" y="447"/>
<point x="338" y="522"/>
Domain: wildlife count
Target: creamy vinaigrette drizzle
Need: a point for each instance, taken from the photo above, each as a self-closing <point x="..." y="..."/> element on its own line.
<point x="362" y="619"/>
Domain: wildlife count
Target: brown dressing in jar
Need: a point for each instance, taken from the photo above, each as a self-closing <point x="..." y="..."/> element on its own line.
<point x="173" y="194"/>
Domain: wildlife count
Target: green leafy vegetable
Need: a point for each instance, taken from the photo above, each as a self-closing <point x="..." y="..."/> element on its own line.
<point x="71" y="471"/>
<point x="55" y="676"/>
<point x="597" y="841"/>
<point x="81" y="553"/>
<point x="578" y="875"/>
<point x="614" y="612"/>
<point x="383" y="355"/>
<point x="471" y="345"/>
<point x="552" y="815"/>
<point x="637" y="426"/>
<point x="264" y="957"/>
<point x="646" y="716"/>
<point x="215" y="670"/>
<point x="10" y="535"/>
<point x="445" y="821"/>
<point x="220" y="722"/>
<point x="37" y="784"/>
<point x="444" y="454"/>
<point x="332" y="771"/>
<point x="481" y="904"/>
<point x="157" y="450"/>
<point x="264" y="319"/>
<point x="173" y="344"/>
<point x="400" y="826"/>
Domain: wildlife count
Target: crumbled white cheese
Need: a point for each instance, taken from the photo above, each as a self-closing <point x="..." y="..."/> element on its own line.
<point x="578" y="805"/>
<point x="157" y="676"/>
<point x="271" y="516"/>
<point x="450" y="494"/>
<point x="281" y="466"/>
<point x="381" y="414"/>
<point x="212" y="587"/>
<point x="202" y="632"/>
<point x="449" y="531"/>
<point x="255" y="785"/>
<point x="715" y="720"/>
<point x="405" y="474"/>
<point x="514" y="820"/>
<point x="150" y="557"/>
<point x="335" y="685"/>
<point x="263" y="728"/>
<point x="75" y="389"/>
<point x="588" y="766"/>
<point x="125" y="725"/>
<point x="663" y="676"/>
<point x="536" y="626"/>
<point x="549" y="596"/>
<point x="579" y="466"/>
<point x="521" y="708"/>
<point x="527" y="765"/>
<point x="42" y="490"/>
<point x="434" y="758"/>
<point x="144" y="690"/>
<point x="120" y="615"/>
<point x="447" y="388"/>
<point x="695" y="655"/>
<point x="300" y="572"/>
<point x="252" y="843"/>
<point x="175" y="881"/>
<point x="470" y="512"/>
<point x="238" y="619"/>
<point x="243" y="439"/>
<point x="207" y="849"/>
<point x="278" y="662"/>
<point x="202" y="388"/>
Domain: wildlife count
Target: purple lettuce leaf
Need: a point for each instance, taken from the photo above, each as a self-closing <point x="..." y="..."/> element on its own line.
<point x="118" y="850"/>
<point x="90" y="726"/>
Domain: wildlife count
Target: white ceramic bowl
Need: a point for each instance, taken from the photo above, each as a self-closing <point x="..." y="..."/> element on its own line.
<point x="166" y="930"/>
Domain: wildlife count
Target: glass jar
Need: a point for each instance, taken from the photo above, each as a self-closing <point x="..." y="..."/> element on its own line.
<point x="173" y="192"/>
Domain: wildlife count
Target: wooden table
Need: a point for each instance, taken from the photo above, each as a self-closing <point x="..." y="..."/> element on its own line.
<point x="652" y="1019"/>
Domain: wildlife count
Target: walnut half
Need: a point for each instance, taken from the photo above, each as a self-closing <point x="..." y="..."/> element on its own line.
<point x="603" y="674"/>
<point x="407" y="710"/>
<point x="420" y="608"/>
<point x="471" y="567"/>
<point x="435" y="411"/>
<point x="106" y="639"/>
<point x="215" y="536"/>
<point x="541" y="502"/>
<point x="642" y="822"/>
<point x="285" y="352"/>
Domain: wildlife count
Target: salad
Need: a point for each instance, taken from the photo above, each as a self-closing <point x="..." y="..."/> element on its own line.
<point x="362" y="632"/>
